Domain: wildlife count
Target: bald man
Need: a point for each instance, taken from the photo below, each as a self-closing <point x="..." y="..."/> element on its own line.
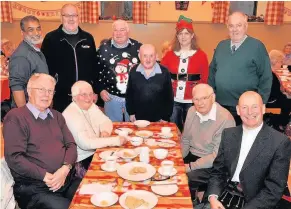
<point x="149" y="94"/>
<point x="201" y="137"/>
<point x="71" y="55"/>
<point x="239" y="64"/>
<point x="115" y="59"/>
<point x="252" y="164"/>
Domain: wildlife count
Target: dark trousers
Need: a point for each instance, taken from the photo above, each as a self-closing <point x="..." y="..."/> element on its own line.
<point x="198" y="179"/>
<point x="179" y="114"/>
<point x="232" y="110"/>
<point x="36" y="194"/>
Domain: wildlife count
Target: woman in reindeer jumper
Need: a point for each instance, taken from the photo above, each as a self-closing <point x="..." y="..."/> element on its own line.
<point x="188" y="66"/>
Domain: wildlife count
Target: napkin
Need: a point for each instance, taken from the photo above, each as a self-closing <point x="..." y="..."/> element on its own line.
<point x="95" y="188"/>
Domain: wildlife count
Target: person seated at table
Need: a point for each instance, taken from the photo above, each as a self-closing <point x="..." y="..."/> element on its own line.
<point x="287" y="52"/>
<point x="90" y="127"/>
<point x="277" y="99"/>
<point x="252" y="164"/>
<point x="149" y="94"/>
<point x="40" y="150"/>
<point x="201" y="137"/>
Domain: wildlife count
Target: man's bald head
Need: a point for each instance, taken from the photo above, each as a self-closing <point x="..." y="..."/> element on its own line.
<point x="203" y="98"/>
<point x="148" y="56"/>
<point x="251" y="109"/>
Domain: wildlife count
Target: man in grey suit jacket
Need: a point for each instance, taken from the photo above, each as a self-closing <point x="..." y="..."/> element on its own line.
<point x="252" y="164"/>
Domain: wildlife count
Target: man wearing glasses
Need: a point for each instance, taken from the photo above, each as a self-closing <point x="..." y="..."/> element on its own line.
<point x="71" y="55"/>
<point x="26" y="60"/>
<point x="201" y="137"/>
<point x="40" y="149"/>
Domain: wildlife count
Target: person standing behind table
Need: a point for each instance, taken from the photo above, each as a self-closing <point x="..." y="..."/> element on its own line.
<point x="115" y="58"/>
<point x="26" y="60"/>
<point x="71" y="56"/>
<point x="149" y="94"/>
<point x="188" y="66"/>
<point x="287" y="52"/>
<point x="239" y="64"/>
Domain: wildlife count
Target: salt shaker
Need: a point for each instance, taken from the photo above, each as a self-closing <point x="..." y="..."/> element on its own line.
<point x="144" y="155"/>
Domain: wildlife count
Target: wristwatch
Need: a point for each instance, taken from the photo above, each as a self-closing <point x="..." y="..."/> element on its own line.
<point x="68" y="164"/>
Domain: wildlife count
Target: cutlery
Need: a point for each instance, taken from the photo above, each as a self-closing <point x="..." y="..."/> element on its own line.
<point x="166" y="142"/>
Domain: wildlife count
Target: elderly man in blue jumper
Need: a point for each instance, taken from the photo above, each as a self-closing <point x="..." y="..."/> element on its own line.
<point x="201" y="137"/>
<point x="239" y="64"/>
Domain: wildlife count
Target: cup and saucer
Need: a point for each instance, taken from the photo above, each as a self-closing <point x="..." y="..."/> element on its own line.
<point x="110" y="164"/>
<point x="166" y="133"/>
<point x="167" y="168"/>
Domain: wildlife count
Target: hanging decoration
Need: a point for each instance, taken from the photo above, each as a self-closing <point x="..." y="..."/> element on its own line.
<point x="287" y="11"/>
<point x="37" y="12"/>
<point x="182" y="5"/>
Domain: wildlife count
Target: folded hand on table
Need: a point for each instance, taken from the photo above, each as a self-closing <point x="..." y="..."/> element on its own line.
<point x="56" y="181"/>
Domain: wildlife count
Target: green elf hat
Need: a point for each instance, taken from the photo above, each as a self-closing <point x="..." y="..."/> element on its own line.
<point x="183" y="23"/>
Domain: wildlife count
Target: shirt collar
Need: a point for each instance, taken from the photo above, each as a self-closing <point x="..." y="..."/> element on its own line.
<point x="157" y="70"/>
<point x="36" y="113"/>
<point x="185" y="54"/>
<point x="239" y="43"/>
<point x="209" y="116"/>
<point x="254" y="131"/>
<point x="33" y="46"/>
<point x="70" y="32"/>
<point x="113" y="43"/>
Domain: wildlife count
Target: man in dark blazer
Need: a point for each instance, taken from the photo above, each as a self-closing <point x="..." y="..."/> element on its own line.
<point x="252" y="164"/>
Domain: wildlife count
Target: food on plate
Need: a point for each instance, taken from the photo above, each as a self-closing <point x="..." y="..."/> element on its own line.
<point x="127" y="154"/>
<point x="104" y="203"/>
<point x="137" y="170"/>
<point x="133" y="202"/>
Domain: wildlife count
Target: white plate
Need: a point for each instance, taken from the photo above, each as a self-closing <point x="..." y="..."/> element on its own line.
<point x="109" y="197"/>
<point x="166" y="143"/>
<point x="104" y="168"/>
<point x="165" y="190"/>
<point x="103" y="155"/>
<point x="132" y="152"/>
<point x="141" y="123"/>
<point x="174" y="172"/>
<point x="166" y="136"/>
<point x="123" y="171"/>
<point x="144" y="134"/>
<point x="128" y="130"/>
<point x="149" y="197"/>
<point x="150" y="142"/>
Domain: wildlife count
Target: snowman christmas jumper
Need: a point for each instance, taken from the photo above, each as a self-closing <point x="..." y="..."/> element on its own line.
<point x="114" y="65"/>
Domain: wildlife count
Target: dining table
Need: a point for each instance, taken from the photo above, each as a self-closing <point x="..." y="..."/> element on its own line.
<point x="284" y="77"/>
<point x="5" y="91"/>
<point x="180" y="199"/>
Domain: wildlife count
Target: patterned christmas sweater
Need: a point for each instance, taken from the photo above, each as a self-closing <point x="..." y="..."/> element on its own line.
<point x="114" y="65"/>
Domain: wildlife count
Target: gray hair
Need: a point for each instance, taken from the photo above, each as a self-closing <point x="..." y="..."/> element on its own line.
<point x="37" y="76"/>
<point x="120" y="22"/>
<point x="288" y="44"/>
<point x="29" y="18"/>
<point x="77" y="86"/>
<point x="205" y="86"/>
<point x="276" y="56"/>
<point x="244" y="16"/>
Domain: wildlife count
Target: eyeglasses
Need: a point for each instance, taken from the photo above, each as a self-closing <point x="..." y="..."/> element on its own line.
<point x="84" y="95"/>
<point x="43" y="91"/>
<point x="70" y="16"/>
<point x="203" y="99"/>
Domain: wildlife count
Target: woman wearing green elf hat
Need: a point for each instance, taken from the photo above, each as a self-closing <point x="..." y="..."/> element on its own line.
<point x="188" y="66"/>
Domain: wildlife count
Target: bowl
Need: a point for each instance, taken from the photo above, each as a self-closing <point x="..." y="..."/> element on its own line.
<point x="136" y="141"/>
<point x="104" y="199"/>
<point x="141" y="123"/>
<point x="160" y="153"/>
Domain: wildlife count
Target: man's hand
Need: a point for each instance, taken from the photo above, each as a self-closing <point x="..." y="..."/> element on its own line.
<point x="59" y="178"/>
<point x="123" y="140"/>
<point x="48" y="179"/>
<point x="104" y="134"/>
<point x="214" y="203"/>
<point x="105" y="95"/>
<point x="132" y="118"/>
